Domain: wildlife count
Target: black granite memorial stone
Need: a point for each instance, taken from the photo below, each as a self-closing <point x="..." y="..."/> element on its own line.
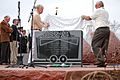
<point x="59" y="43"/>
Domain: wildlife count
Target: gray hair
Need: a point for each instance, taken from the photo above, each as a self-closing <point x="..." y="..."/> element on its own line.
<point x="101" y="3"/>
<point x="39" y="6"/>
<point x="7" y="17"/>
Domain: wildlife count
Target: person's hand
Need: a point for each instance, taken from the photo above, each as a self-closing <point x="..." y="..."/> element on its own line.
<point x="83" y="17"/>
<point x="91" y="34"/>
<point x="46" y="25"/>
<point x="11" y="30"/>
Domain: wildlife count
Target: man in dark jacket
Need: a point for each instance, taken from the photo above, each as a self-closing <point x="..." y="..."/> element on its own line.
<point x="14" y="41"/>
<point x="23" y="42"/>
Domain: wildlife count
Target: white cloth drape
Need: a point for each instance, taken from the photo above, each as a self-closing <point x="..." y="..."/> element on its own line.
<point x="61" y="24"/>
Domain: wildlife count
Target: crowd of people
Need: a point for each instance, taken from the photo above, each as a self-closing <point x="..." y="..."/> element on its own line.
<point x="13" y="41"/>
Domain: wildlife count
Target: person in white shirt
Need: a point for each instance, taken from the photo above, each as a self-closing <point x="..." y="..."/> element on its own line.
<point x="100" y="39"/>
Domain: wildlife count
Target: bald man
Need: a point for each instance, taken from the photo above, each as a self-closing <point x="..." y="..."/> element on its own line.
<point x="100" y="39"/>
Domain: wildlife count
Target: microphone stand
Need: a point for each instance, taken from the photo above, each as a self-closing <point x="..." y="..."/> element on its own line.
<point x="20" y="36"/>
<point x="31" y="64"/>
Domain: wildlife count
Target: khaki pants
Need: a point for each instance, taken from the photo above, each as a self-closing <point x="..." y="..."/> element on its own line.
<point x="14" y="52"/>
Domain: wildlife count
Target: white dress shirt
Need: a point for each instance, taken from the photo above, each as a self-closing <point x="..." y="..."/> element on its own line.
<point x="100" y="16"/>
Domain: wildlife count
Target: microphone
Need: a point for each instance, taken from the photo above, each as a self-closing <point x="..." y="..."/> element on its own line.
<point x="56" y="13"/>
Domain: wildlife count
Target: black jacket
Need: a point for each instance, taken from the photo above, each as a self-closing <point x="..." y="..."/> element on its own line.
<point x="15" y="33"/>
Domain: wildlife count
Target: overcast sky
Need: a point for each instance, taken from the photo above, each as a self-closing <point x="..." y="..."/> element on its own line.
<point x="67" y="9"/>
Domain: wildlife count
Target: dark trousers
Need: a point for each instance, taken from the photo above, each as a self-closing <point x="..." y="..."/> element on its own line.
<point x="5" y="52"/>
<point x="0" y="52"/>
<point x="100" y="43"/>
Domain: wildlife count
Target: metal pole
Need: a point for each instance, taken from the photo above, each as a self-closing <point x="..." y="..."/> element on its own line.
<point x="92" y="5"/>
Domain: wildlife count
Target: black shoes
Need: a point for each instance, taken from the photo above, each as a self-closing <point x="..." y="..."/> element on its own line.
<point x="4" y="63"/>
<point x="102" y="65"/>
<point x="97" y="63"/>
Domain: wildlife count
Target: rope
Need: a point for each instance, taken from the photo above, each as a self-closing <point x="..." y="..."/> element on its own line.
<point x="94" y="75"/>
